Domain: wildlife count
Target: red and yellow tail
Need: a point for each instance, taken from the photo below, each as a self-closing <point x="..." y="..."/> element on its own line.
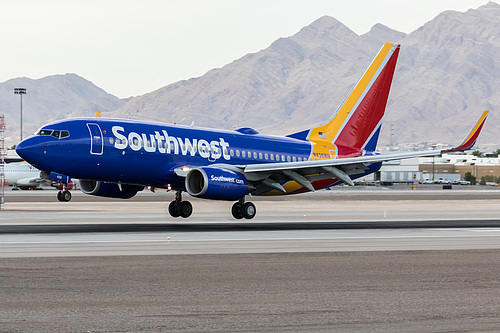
<point x="355" y="127"/>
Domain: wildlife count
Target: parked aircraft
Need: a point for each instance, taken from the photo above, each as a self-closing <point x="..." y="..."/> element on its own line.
<point x="118" y="157"/>
<point x="25" y="176"/>
<point x="21" y="175"/>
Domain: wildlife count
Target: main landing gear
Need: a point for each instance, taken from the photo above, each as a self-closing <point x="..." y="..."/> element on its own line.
<point x="243" y="209"/>
<point x="180" y="208"/>
<point x="240" y="209"/>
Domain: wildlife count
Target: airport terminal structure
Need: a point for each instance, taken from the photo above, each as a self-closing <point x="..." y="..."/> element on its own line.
<point x="448" y="166"/>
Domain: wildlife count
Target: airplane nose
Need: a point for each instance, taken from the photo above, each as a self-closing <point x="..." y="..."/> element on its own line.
<point x="21" y="148"/>
<point x="26" y="150"/>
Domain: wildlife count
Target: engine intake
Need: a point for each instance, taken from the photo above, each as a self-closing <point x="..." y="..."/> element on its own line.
<point x="111" y="190"/>
<point x="216" y="183"/>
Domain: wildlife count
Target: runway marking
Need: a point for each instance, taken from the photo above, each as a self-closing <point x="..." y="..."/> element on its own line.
<point x="242" y="239"/>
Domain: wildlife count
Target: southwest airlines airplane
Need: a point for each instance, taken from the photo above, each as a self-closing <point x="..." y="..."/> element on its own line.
<point x="117" y="157"/>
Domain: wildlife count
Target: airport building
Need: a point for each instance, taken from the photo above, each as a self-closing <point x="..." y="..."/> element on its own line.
<point x="448" y="166"/>
<point x="452" y="164"/>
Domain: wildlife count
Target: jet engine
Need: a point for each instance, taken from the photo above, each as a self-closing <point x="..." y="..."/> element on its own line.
<point x="216" y="183"/>
<point x="112" y="190"/>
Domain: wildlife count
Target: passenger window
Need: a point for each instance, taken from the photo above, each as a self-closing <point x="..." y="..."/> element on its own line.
<point x="288" y="159"/>
<point x="255" y="155"/>
<point x="111" y="140"/>
<point x="231" y="152"/>
<point x="272" y="157"/>
<point x="266" y="156"/>
<point x="260" y="156"/>
<point x="283" y="158"/>
<point x="237" y="153"/>
<point x="294" y="159"/>
<point x="244" y="153"/>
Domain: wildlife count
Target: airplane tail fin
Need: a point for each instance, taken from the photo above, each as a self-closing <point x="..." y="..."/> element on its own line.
<point x="355" y="127"/>
<point x="470" y="140"/>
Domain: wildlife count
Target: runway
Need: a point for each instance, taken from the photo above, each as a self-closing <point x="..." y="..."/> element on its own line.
<point x="349" y="261"/>
<point x="320" y="222"/>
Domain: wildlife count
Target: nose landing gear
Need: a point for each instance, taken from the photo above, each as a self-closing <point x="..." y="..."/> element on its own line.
<point x="64" y="195"/>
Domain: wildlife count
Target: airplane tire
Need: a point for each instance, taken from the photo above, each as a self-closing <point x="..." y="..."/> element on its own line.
<point x="186" y="209"/>
<point x="60" y="196"/>
<point x="173" y="209"/>
<point x="248" y="210"/>
<point x="236" y="211"/>
<point x="66" y="196"/>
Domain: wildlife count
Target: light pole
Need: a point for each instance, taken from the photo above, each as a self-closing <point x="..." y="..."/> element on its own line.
<point x="433" y="147"/>
<point x="21" y="92"/>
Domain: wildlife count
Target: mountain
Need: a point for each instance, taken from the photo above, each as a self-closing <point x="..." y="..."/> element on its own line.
<point x="296" y="82"/>
<point x="448" y="73"/>
<point x="50" y="98"/>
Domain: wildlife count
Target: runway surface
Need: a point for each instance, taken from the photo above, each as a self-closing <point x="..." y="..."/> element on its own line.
<point x="346" y="261"/>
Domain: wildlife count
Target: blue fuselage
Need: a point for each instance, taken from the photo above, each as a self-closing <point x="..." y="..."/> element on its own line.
<point x="128" y="151"/>
<point x="148" y="153"/>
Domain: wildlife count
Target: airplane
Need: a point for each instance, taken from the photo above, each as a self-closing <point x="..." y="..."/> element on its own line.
<point x="25" y="176"/>
<point x="120" y="157"/>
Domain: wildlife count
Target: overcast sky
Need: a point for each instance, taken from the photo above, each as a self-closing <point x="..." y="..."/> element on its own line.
<point x="132" y="47"/>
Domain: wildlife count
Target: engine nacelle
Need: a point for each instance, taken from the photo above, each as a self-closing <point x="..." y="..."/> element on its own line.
<point x="111" y="190"/>
<point x="216" y="183"/>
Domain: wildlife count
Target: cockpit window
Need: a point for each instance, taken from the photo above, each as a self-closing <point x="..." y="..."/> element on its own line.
<point x="55" y="133"/>
<point x="44" y="132"/>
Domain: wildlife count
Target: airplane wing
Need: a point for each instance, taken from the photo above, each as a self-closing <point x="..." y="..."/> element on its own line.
<point x="470" y="140"/>
<point x="268" y="176"/>
<point x="306" y="172"/>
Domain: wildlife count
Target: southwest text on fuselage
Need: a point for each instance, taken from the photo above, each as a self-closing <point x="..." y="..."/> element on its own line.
<point x="166" y="144"/>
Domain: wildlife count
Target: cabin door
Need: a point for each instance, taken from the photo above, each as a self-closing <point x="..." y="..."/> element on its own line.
<point x="96" y="141"/>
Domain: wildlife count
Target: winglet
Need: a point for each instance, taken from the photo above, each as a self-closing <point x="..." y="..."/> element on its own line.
<point x="472" y="137"/>
<point x="98" y="114"/>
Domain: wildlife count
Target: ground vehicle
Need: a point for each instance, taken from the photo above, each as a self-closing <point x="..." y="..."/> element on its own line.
<point x="461" y="181"/>
<point x="442" y="180"/>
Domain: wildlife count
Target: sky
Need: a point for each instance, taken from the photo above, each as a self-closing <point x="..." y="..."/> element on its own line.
<point x="133" y="47"/>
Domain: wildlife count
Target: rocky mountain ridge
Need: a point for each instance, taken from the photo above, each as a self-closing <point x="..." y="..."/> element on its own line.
<point x="447" y="74"/>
